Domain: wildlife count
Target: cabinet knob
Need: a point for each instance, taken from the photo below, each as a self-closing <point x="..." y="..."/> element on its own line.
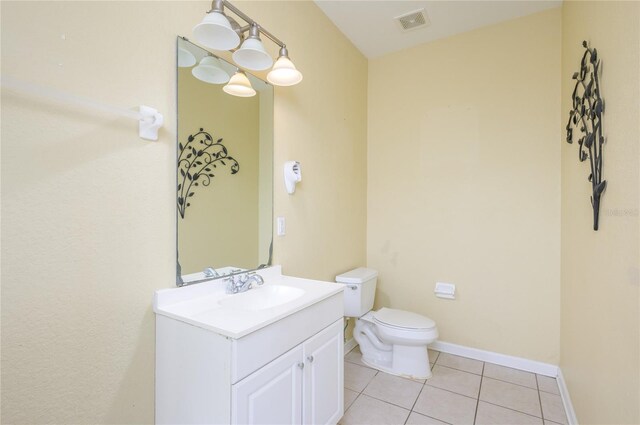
<point x="310" y="358"/>
<point x="301" y="365"/>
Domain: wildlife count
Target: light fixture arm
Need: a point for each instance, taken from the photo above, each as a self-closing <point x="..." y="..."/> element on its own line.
<point x="219" y="5"/>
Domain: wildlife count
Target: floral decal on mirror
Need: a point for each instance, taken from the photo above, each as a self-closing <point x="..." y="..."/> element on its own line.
<point x="586" y="116"/>
<point x="198" y="161"/>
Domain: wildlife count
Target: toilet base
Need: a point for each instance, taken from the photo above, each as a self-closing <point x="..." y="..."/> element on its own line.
<point x="402" y="362"/>
<point x="396" y="359"/>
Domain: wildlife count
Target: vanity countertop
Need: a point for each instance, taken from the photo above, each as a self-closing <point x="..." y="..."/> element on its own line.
<point x="208" y="306"/>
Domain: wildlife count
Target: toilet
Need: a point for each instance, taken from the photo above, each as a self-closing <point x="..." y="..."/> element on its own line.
<point x="393" y="341"/>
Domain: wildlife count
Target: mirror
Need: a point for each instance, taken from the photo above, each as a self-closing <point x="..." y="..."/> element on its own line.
<point x="224" y="169"/>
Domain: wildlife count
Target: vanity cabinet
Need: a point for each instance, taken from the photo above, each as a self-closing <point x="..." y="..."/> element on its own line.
<point x="287" y="371"/>
<point x="303" y="386"/>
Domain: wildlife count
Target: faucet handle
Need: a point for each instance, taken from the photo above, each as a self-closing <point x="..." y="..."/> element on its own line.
<point x="210" y="272"/>
<point x="231" y="285"/>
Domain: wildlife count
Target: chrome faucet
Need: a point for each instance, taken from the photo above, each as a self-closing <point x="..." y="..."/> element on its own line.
<point x="211" y="272"/>
<point x="242" y="282"/>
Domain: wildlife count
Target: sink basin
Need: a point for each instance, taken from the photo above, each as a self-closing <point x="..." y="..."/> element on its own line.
<point x="267" y="296"/>
<point x="208" y="306"/>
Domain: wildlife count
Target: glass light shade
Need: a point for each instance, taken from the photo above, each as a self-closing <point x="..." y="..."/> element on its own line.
<point x="284" y="73"/>
<point x="252" y="55"/>
<point x="185" y="58"/>
<point x="210" y="71"/>
<point x="215" y="32"/>
<point x="239" y="85"/>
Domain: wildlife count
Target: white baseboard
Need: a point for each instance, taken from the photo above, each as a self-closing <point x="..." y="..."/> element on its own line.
<point x="349" y="345"/>
<point x="566" y="399"/>
<point x="540" y="368"/>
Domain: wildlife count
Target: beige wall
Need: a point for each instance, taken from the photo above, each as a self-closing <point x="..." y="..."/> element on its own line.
<point x="463" y="184"/>
<point x="600" y="298"/>
<point x="228" y="207"/>
<point x="88" y="214"/>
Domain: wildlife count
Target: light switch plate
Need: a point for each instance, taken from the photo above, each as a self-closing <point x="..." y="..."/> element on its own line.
<point x="281" y="226"/>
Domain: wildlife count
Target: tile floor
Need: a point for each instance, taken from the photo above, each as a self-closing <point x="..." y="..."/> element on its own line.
<point x="461" y="391"/>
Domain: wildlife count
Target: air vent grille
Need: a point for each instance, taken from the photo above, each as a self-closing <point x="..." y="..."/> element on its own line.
<point x="413" y="20"/>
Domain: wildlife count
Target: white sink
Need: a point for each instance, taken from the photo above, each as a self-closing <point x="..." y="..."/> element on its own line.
<point x="207" y="305"/>
<point x="262" y="297"/>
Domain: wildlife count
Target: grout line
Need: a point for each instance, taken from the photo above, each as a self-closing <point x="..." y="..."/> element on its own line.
<point x="351" y="405"/>
<point x="358" y="364"/>
<point x="539" y="399"/>
<point x="459" y="370"/>
<point x="545" y="391"/>
<point x="449" y="391"/>
<point x="370" y="381"/>
<point x="418" y="413"/>
<point x="513" y="383"/>
<point x="513" y="410"/>
<point x="416" y="400"/>
<point x="386" y="401"/>
<point x="475" y="416"/>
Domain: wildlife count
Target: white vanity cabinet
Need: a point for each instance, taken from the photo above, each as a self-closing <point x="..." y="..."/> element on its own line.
<point x="303" y="386"/>
<point x="277" y="365"/>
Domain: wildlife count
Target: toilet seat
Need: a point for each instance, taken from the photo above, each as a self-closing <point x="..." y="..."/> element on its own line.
<point x="403" y="320"/>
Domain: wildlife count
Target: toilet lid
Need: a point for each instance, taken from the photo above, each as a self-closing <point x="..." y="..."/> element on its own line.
<point x="403" y="319"/>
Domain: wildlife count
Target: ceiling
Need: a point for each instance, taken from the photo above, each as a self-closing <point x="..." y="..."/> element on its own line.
<point x="371" y="27"/>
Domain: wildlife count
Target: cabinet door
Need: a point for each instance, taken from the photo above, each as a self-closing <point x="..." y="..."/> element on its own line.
<point x="272" y="394"/>
<point x="323" y="390"/>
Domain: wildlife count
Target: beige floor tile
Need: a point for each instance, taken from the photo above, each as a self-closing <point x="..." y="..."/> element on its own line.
<point x="357" y="377"/>
<point x="508" y="374"/>
<point x="548" y="384"/>
<point x="393" y="389"/>
<point x="369" y="411"/>
<point x="461" y="363"/>
<point x="433" y="355"/>
<point x="418" y="419"/>
<point x="552" y="408"/>
<point x="355" y="356"/>
<point x="446" y="406"/>
<point x="490" y="414"/>
<point x="511" y="396"/>
<point x="349" y="398"/>
<point x="460" y="382"/>
<point x="547" y="422"/>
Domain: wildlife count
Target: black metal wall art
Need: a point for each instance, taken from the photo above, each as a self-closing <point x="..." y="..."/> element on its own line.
<point x="198" y="160"/>
<point x="586" y="117"/>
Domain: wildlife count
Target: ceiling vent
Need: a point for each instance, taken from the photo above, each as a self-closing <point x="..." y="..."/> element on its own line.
<point x="413" y="20"/>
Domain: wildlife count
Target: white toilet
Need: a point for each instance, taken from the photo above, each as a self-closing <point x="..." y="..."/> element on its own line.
<point x="393" y="341"/>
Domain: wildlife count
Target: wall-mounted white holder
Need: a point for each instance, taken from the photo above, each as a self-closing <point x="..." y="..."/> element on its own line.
<point x="150" y="122"/>
<point x="292" y="175"/>
<point x="445" y="290"/>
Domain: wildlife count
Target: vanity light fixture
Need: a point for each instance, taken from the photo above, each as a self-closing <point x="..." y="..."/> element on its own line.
<point x="252" y="55"/>
<point x="284" y="72"/>
<point x="239" y="85"/>
<point x="222" y="32"/>
<point x="215" y="30"/>
<point x="210" y="71"/>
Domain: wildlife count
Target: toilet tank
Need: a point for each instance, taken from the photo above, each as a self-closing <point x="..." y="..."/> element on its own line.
<point x="359" y="291"/>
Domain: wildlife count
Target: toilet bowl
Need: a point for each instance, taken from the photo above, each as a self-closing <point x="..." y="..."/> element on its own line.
<point x="391" y="340"/>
